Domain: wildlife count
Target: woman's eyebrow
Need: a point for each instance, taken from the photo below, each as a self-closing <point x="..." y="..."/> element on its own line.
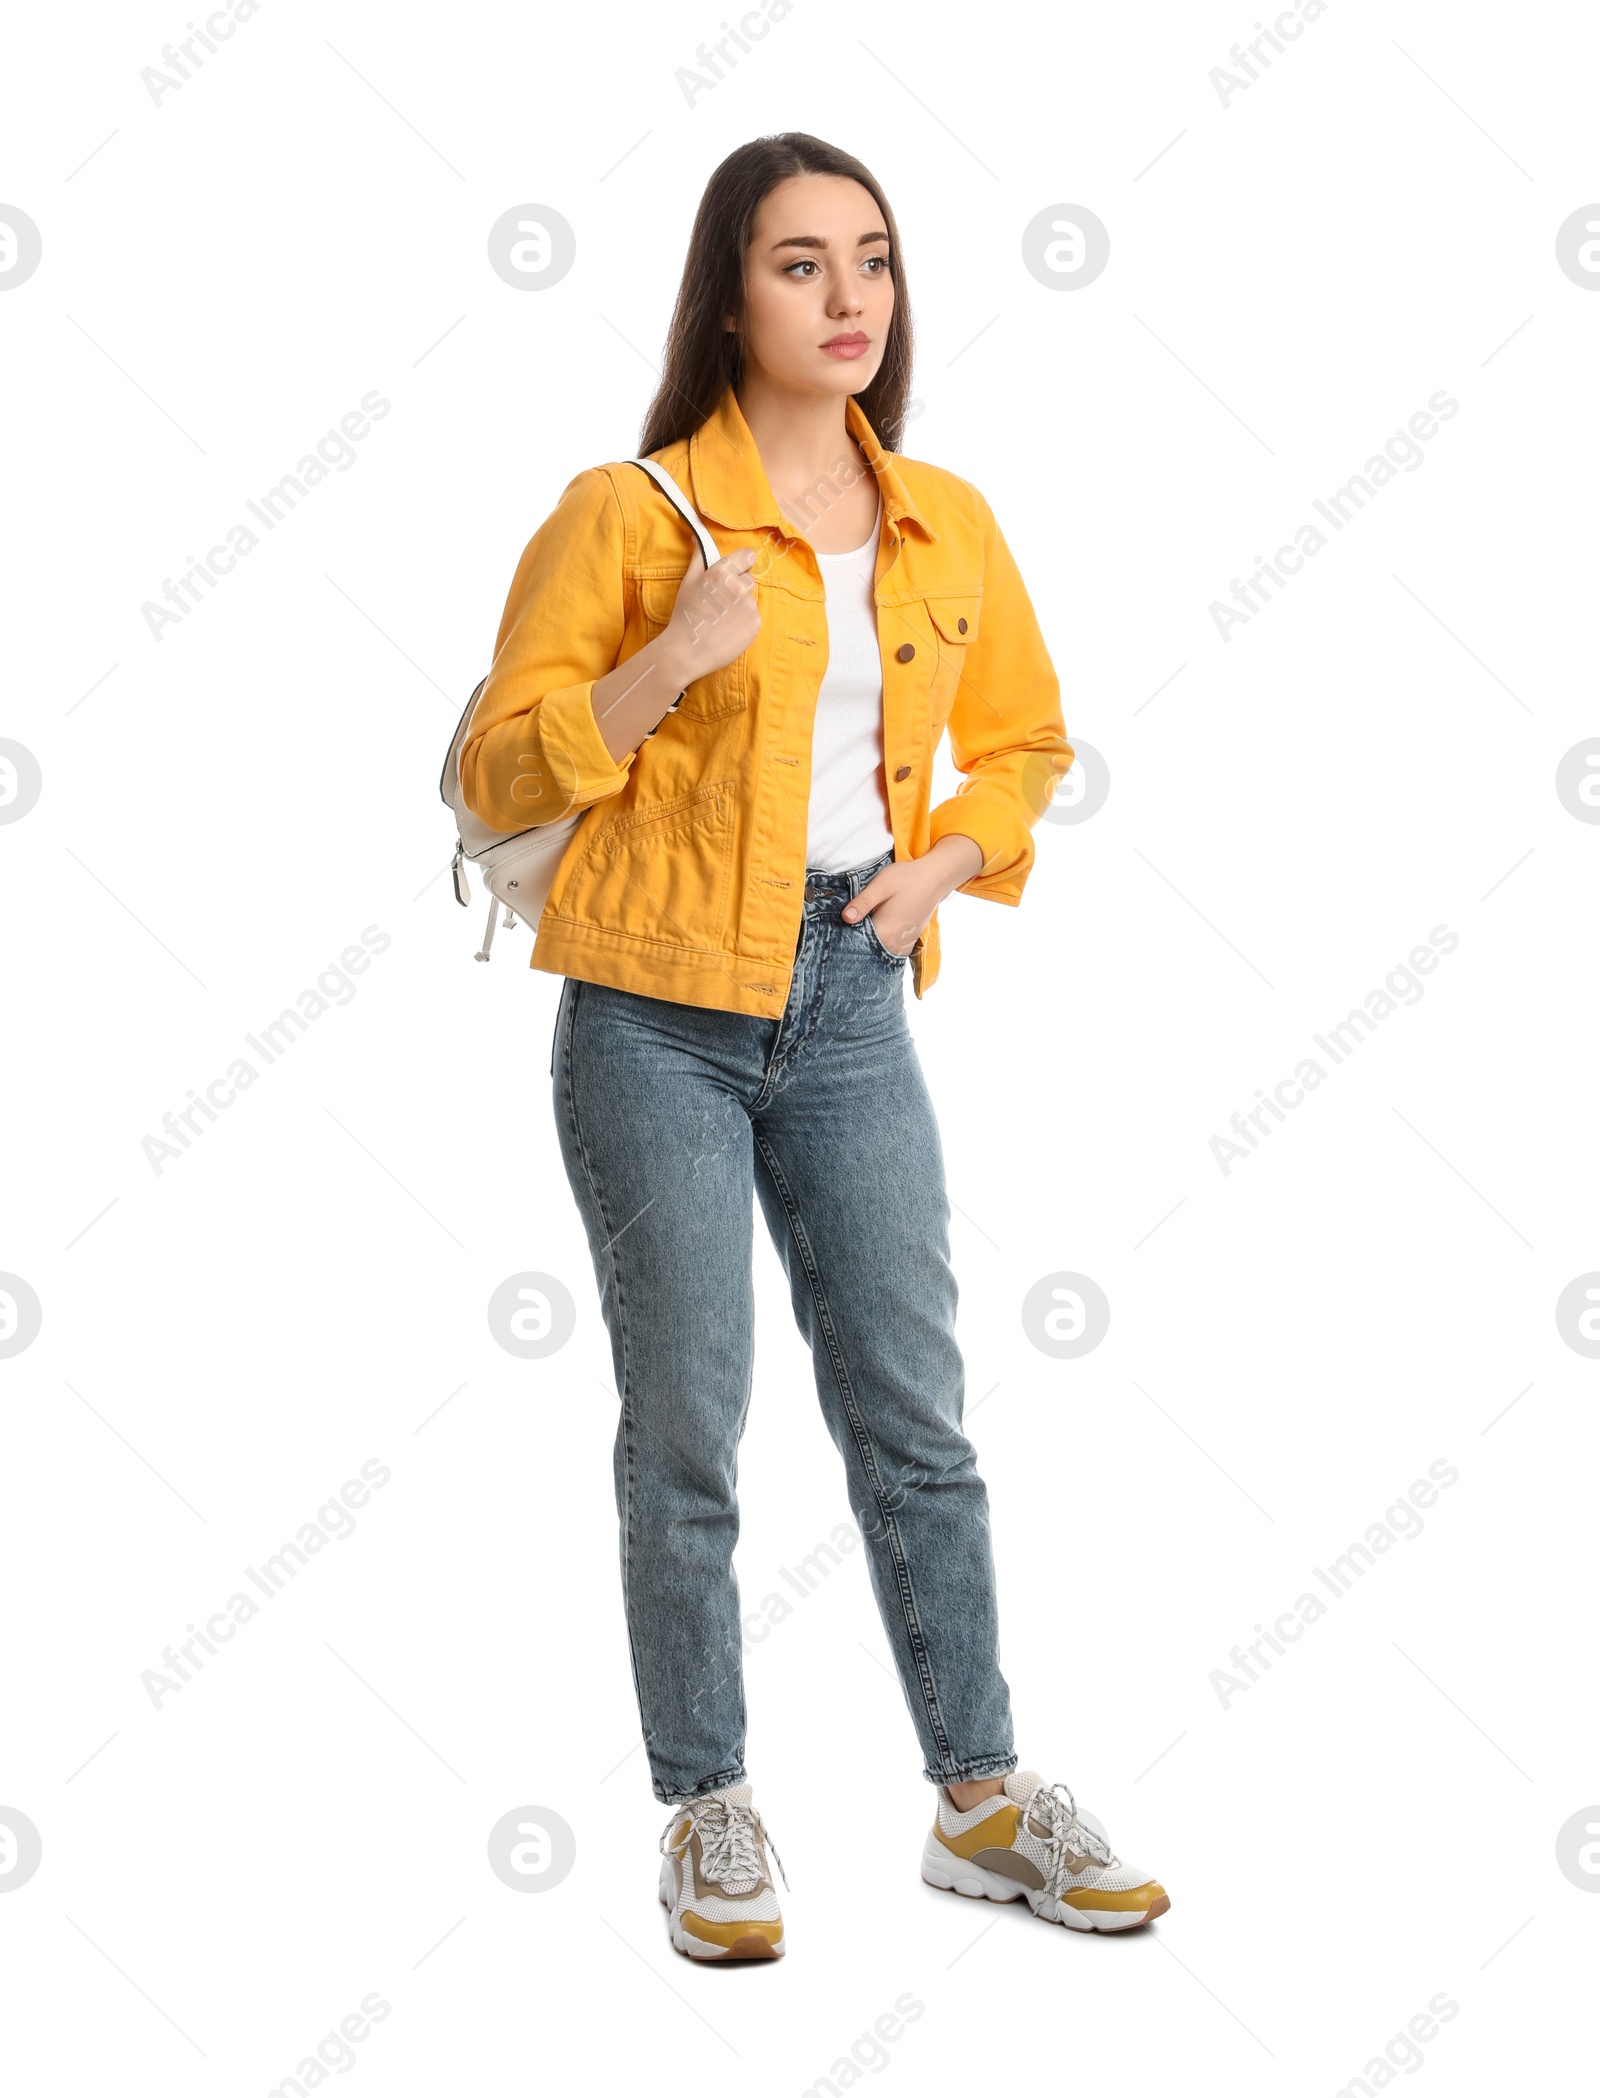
<point x="816" y="240"/>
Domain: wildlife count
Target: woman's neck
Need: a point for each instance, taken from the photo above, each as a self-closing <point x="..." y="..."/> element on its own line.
<point x="812" y="463"/>
<point x="800" y="436"/>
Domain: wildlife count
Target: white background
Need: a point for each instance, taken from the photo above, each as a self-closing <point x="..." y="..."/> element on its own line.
<point x="1292" y="1343"/>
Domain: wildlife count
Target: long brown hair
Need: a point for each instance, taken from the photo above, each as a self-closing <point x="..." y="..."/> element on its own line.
<point x="703" y="357"/>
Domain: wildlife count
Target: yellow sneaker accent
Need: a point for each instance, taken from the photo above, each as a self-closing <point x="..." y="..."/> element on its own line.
<point x="747" y="1936"/>
<point x="1152" y="1896"/>
<point x="998" y="1831"/>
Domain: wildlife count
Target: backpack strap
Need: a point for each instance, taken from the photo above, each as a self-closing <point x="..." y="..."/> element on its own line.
<point x="680" y="502"/>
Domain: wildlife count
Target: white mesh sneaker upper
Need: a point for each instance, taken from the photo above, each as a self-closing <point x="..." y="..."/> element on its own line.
<point x="733" y="1859"/>
<point x="1066" y="1829"/>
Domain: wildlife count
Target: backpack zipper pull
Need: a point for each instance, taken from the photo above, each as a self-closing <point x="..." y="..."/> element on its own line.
<point x="482" y="954"/>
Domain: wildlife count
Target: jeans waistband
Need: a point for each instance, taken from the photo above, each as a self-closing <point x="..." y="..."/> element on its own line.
<point x="840" y="886"/>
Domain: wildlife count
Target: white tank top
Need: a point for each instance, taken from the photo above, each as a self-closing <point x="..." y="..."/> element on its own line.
<point x="848" y="822"/>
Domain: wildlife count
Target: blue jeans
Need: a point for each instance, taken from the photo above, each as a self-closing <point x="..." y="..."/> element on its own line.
<point x="669" y="1116"/>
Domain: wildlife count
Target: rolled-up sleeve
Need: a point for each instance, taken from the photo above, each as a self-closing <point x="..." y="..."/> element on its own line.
<point x="535" y="752"/>
<point x="1006" y="732"/>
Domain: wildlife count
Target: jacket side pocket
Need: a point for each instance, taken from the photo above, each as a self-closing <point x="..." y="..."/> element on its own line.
<point x="660" y="872"/>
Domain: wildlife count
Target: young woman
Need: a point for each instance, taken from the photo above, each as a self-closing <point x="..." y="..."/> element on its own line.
<point x="757" y="872"/>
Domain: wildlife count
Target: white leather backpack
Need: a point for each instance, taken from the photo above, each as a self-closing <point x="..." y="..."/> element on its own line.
<point x="519" y="867"/>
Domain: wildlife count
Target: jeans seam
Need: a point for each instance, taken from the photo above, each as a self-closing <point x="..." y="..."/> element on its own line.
<point x="869" y="1461"/>
<point x="802" y="1026"/>
<point x="626" y="1423"/>
<point x="678" y="1795"/>
<point x="975" y="1767"/>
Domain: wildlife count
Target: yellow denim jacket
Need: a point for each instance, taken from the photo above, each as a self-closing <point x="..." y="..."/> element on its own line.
<point x="686" y="878"/>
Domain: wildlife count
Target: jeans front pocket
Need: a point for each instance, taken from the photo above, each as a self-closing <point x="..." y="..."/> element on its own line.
<point x="876" y="941"/>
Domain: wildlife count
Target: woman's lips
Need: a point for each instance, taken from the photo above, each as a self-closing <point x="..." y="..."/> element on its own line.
<point x="846" y="346"/>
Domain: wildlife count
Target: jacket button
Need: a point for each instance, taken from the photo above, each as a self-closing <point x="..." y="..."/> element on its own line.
<point x="961" y="626"/>
<point x="904" y="772"/>
<point x="904" y="652"/>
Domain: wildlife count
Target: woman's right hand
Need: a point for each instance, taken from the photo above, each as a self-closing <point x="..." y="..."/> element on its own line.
<point x="715" y="617"/>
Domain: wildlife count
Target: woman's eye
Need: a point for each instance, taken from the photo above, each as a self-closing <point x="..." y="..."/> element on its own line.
<point x="876" y="264"/>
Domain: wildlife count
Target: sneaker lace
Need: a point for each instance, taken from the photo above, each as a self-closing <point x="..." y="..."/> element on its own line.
<point x="1070" y="1846"/>
<point x="731" y="1837"/>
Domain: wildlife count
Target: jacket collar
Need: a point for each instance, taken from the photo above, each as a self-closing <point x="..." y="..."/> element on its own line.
<point x="730" y="484"/>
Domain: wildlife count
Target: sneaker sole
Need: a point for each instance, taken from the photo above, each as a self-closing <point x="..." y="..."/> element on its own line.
<point x="751" y="1947"/>
<point x="954" y="1875"/>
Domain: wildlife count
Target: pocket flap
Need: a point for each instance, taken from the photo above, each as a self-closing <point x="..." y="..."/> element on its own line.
<point x="956" y="618"/>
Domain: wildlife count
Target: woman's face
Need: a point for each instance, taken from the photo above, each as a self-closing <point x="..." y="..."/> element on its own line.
<point x="818" y="292"/>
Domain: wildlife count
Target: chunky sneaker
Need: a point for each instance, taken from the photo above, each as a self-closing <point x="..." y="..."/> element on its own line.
<point x="719" y="1896"/>
<point x="1033" y="1843"/>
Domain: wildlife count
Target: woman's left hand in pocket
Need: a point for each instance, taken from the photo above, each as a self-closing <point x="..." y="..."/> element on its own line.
<point x="903" y="896"/>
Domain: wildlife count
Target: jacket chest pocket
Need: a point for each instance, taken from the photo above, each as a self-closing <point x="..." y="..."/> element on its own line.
<point x="954" y="620"/>
<point x="724" y="691"/>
